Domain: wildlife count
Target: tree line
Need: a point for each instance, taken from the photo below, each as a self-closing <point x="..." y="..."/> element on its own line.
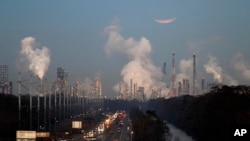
<point x="211" y="116"/>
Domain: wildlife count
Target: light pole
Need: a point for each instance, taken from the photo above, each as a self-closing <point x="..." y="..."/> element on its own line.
<point x="55" y="114"/>
<point x="31" y="83"/>
<point x="38" y="103"/>
<point x="132" y="135"/>
<point x="50" y="92"/>
<point x="19" y="98"/>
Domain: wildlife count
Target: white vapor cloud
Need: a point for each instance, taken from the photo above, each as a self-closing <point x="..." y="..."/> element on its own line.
<point x="212" y="67"/>
<point x="38" y="60"/>
<point x="186" y="70"/>
<point x="140" y="68"/>
<point x="241" y="66"/>
<point x="86" y="84"/>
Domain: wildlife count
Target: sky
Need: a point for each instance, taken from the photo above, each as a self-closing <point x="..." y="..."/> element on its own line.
<point x="90" y="38"/>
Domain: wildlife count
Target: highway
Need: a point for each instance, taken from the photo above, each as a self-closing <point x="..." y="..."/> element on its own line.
<point x="118" y="131"/>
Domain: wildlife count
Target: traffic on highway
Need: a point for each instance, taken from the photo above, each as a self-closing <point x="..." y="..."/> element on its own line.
<point x="116" y="127"/>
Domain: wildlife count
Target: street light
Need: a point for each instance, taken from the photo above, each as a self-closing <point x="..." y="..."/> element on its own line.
<point x="132" y="135"/>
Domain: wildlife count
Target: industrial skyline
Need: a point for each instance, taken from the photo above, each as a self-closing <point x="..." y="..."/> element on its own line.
<point x="93" y="88"/>
<point x="106" y="40"/>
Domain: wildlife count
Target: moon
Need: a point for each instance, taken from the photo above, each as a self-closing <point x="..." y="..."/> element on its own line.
<point x="165" y="21"/>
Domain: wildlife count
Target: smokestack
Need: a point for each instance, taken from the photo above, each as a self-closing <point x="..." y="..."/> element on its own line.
<point x="131" y="88"/>
<point x="173" y="63"/>
<point x="194" y="74"/>
<point x="134" y="91"/>
<point x="183" y="86"/>
<point x="100" y="89"/>
<point x="173" y="90"/>
<point x="203" y="85"/>
<point x="179" y="89"/>
<point x="119" y="88"/>
<point x="164" y="71"/>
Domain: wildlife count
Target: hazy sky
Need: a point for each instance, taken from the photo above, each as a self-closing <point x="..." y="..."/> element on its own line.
<point x="218" y="32"/>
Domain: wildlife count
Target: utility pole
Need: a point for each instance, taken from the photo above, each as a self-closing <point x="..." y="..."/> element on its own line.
<point x="19" y="99"/>
<point x="31" y="102"/>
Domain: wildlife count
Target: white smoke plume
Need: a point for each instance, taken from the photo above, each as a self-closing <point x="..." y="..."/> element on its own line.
<point x="229" y="80"/>
<point x="87" y="86"/>
<point x="186" y="70"/>
<point x="241" y="66"/>
<point x="38" y="60"/>
<point x="82" y="87"/>
<point x="140" y="68"/>
<point x="212" y="67"/>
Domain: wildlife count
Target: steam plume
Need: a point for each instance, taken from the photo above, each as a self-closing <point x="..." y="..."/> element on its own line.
<point x="241" y="65"/>
<point x="38" y="60"/>
<point x="140" y="67"/>
<point x="185" y="70"/>
<point x="212" y="67"/>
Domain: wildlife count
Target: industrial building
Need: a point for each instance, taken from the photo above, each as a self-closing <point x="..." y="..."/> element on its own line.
<point x="173" y="91"/>
<point x="62" y="79"/>
<point x="95" y="89"/>
<point x="6" y="86"/>
<point x="132" y="91"/>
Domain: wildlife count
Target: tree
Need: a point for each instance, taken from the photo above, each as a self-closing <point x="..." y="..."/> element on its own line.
<point x="148" y="126"/>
